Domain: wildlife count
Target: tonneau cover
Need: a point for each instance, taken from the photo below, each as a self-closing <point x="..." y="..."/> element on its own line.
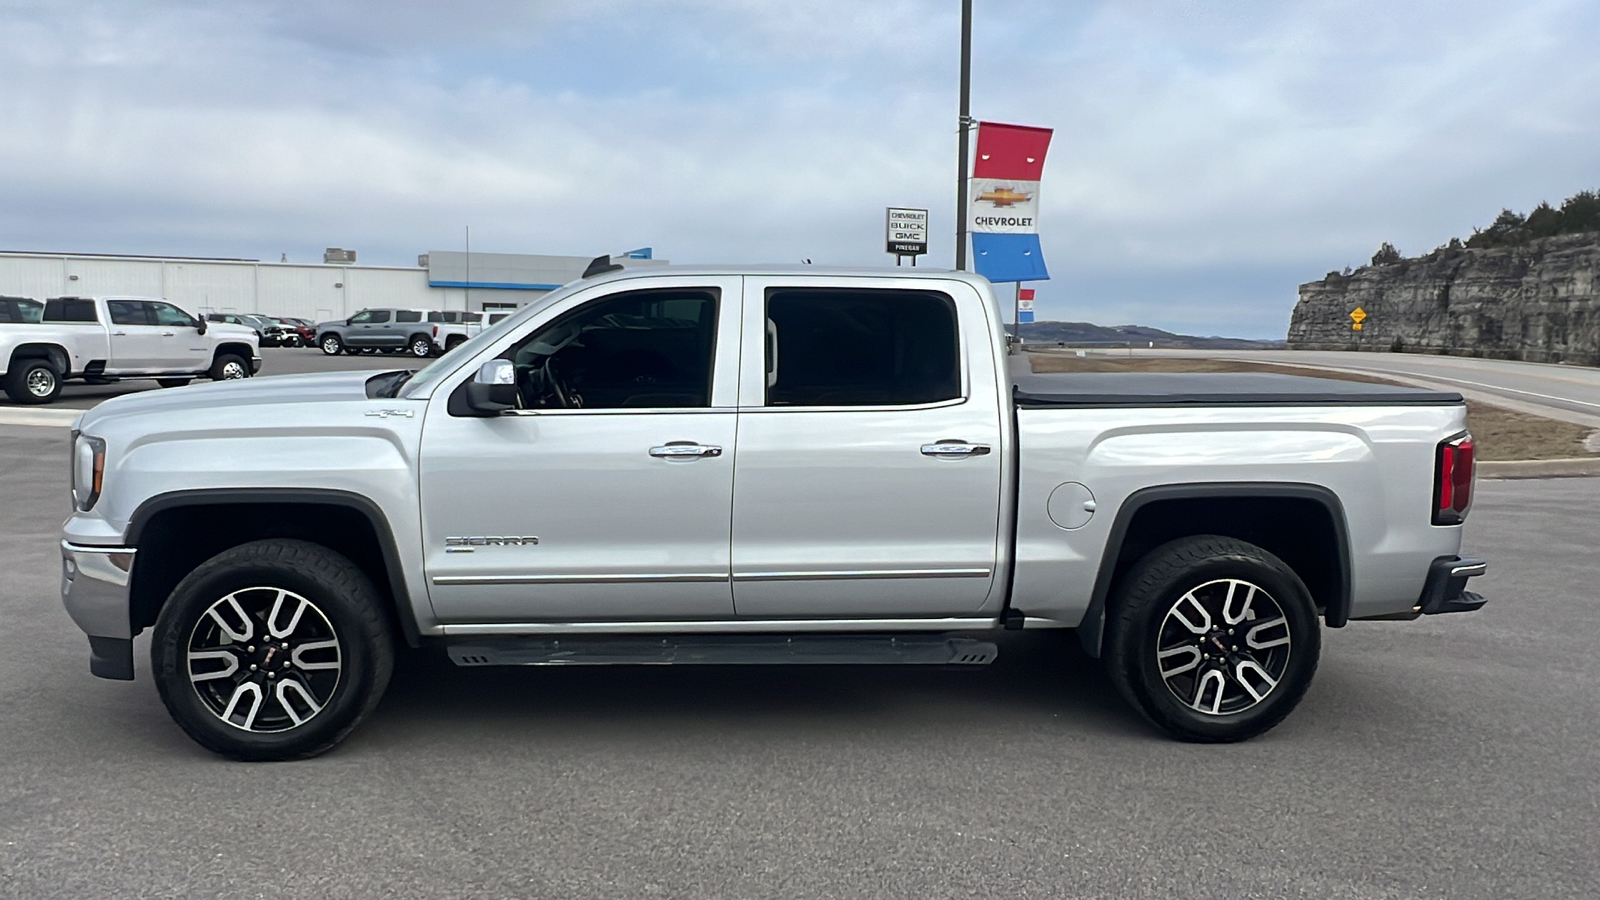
<point x="1129" y="389"/>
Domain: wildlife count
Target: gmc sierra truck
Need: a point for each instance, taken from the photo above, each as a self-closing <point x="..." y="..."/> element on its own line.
<point x="106" y="339"/>
<point x="751" y="465"/>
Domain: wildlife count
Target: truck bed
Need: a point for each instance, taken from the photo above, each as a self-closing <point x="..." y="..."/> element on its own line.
<point x="1160" y="389"/>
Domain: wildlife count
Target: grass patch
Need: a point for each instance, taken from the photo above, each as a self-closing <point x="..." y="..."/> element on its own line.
<point x="1501" y="434"/>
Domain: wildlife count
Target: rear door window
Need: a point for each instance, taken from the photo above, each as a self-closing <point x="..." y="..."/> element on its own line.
<point x="129" y="312"/>
<point x="408" y="315"/>
<point x="842" y="347"/>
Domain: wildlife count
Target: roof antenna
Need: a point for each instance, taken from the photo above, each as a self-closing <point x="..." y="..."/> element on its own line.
<point x="599" y="266"/>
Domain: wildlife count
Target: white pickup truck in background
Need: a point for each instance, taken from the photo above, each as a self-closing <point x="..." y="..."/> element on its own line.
<point x="105" y="339"/>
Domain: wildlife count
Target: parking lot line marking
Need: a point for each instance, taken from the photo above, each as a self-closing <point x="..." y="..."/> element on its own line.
<point x="48" y="418"/>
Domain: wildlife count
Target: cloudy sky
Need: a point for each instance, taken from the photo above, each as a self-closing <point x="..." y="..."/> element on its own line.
<point x="1209" y="156"/>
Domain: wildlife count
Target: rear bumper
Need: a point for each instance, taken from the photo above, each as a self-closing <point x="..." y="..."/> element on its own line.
<point x="1445" y="591"/>
<point x="94" y="589"/>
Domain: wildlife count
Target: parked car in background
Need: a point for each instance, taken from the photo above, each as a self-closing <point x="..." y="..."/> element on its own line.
<point x="304" y="329"/>
<point x="455" y="326"/>
<point x="374" y="330"/>
<point x="269" y="331"/>
<point x="20" y="310"/>
<point x="105" y="339"/>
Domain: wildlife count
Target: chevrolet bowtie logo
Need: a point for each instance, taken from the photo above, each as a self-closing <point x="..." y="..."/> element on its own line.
<point x="1004" y="196"/>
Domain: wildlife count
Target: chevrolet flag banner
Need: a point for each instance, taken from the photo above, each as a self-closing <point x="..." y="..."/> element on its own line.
<point x="1004" y="218"/>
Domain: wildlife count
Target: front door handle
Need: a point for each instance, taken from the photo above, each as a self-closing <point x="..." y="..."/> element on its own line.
<point x="954" y="448"/>
<point x="169" y="334"/>
<point x="119" y="334"/>
<point x="684" y="450"/>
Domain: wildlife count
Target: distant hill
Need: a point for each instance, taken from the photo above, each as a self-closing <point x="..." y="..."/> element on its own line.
<point x="1137" y="335"/>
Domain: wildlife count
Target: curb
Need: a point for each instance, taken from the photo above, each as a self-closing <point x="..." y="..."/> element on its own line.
<point x="44" y="418"/>
<point x="1540" y="468"/>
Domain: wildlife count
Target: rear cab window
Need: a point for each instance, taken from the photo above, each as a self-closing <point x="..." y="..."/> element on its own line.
<point x="408" y="315"/>
<point x="70" y="311"/>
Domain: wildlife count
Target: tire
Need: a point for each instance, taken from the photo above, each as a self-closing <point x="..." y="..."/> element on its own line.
<point x="421" y="346"/>
<point x="173" y="382"/>
<point x="454" y="342"/>
<point x="331" y="345"/>
<point x="33" y="381"/>
<point x="338" y="659"/>
<point x="229" y="367"/>
<point x="1173" y="653"/>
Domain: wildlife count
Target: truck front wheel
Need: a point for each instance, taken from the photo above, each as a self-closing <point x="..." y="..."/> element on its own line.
<point x="229" y="367"/>
<point x="272" y="650"/>
<point x="1212" y="639"/>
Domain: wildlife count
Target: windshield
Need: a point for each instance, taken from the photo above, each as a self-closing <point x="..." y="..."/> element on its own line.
<point x="429" y="375"/>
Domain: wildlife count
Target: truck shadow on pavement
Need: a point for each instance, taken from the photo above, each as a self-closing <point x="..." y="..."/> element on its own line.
<point x="1038" y="676"/>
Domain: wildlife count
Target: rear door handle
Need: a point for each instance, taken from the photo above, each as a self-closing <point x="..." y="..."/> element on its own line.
<point x="119" y="334"/>
<point x="685" y="451"/>
<point x="954" y="448"/>
<point x="168" y="333"/>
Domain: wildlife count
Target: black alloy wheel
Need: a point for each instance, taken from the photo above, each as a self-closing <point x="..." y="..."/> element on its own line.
<point x="272" y="650"/>
<point x="1212" y="639"/>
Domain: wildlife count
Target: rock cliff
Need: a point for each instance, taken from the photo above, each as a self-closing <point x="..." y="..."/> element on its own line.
<point x="1538" y="302"/>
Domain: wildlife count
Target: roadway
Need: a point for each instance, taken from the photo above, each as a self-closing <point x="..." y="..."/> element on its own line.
<point x="1568" y="393"/>
<point x="1453" y="756"/>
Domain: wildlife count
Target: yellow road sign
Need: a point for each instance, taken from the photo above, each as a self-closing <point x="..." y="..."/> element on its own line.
<point x="1358" y="316"/>
<point x="1356" y="326"/>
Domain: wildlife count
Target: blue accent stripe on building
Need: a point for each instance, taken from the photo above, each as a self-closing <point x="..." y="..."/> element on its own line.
<point x="497" y="285"/>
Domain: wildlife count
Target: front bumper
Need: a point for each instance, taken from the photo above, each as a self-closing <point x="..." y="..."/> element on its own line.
<point x="255" y="365"/>
<point x="94" y="589"/>
<point x="1445" y="591"/>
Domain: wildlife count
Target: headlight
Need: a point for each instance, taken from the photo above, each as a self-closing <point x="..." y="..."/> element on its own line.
<point x="88" y="471"/>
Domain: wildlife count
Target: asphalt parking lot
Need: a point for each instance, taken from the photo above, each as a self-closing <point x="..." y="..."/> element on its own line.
<point x="1449" y="757"/>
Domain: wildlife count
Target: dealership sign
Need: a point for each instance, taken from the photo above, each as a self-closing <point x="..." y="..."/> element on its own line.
<point x="907" y="231"/>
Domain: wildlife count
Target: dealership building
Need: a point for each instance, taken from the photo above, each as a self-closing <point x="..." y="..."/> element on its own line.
<point x="335" y="289"/>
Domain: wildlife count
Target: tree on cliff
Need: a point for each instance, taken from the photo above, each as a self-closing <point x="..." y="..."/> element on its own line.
<point x="1578" y="214"/>
<point x="1387" y="255"/>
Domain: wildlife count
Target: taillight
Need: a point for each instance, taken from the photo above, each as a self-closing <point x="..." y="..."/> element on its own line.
<point x="435" y="331"/>
<point x="1452" y="484"/>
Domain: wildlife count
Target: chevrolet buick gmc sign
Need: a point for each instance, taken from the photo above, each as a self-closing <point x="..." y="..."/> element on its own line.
<point x="908" y="231"/>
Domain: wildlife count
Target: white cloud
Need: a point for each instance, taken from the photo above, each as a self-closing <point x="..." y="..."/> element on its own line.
<point x="1207" y="157"/>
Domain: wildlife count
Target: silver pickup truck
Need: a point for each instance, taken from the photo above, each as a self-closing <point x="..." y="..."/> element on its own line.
<point x="760" y="465"/>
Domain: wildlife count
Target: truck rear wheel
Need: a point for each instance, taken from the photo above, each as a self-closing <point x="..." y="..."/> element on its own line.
<point x="33" y="381"/>
<point x="1212" y="639"/>
<point x="272" y="650"/>
<point x="421" y="346"/>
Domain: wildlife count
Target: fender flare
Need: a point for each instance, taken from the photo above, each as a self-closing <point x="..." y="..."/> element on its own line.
<point x="1091" y="630"/>
<point x="401" y="596"/>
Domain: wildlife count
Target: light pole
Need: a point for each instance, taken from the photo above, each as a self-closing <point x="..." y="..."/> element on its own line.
<point x="966" y="121"/>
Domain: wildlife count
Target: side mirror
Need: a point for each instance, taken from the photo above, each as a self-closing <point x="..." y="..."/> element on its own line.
<point x="494" y="389"/>
<point x="200" y="325"/>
